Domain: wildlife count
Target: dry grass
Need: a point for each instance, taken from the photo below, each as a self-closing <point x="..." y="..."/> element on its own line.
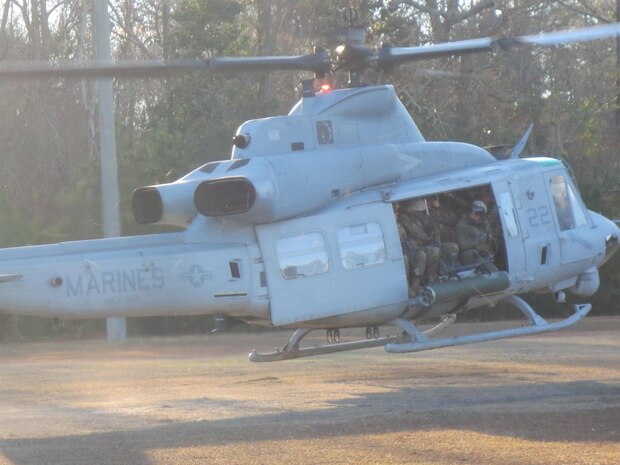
<point x="542" y="400"/>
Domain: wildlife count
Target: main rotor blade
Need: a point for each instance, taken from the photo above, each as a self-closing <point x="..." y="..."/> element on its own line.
<point x="583" y="34"/>
<point x="318" y="62"/>
<point x="350" y="57"/>
<point x="391" y="56"/>
<point x="98" y="69"/>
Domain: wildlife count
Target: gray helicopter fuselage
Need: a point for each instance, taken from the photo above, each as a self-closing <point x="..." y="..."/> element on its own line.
<point x="298" y="228"/>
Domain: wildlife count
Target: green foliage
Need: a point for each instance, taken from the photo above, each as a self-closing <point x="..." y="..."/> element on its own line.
<point x="28" y="329"/>
<point x="17" y="226"/>
<point x="205" y="27"/>
<point x="50" y="181"/>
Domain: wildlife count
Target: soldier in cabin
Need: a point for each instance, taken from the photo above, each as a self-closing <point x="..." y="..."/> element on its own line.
<point x="402" y="232"/>
<point x="473" y="234"/>
<point x="444" y="218"/>
<point x="424" y="237"/>
<point x="485" y="195"/>
<point x="424" y="261"/>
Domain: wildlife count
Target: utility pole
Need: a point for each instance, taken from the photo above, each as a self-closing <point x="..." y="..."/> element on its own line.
<point x="617" y="115"/>
<point x="110" y="218"/>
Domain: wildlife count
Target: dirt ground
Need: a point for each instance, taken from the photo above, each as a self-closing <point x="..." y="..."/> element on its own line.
<point x="548" y="399"/>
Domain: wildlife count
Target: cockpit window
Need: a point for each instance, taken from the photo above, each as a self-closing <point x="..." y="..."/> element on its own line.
<point x="563" y="208"/>
<point x="579" y="214"/>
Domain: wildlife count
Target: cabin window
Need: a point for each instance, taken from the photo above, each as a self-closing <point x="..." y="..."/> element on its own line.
<point x="561" y="200"/>
<point x="302" y="255"/>
<point x="361" y="245"/>
<point x="508" y="214"/>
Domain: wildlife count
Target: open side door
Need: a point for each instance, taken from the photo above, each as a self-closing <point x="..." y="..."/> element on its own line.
<point x="334" y="263"/>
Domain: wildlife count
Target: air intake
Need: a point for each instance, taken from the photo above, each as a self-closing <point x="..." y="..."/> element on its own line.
<point x="146" y="205"/>
<point x="228" y="196"/>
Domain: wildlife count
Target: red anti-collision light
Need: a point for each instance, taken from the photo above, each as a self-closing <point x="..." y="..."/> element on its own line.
<point x="325" y="88"/>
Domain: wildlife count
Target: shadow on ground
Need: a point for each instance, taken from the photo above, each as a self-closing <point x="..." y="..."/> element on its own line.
<point x="554" y="411"/>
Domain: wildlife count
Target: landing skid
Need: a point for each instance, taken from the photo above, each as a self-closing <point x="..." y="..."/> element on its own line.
<point x="537" y="325"/>
<point x="292" y="350"/>
<point x="414" y="340"/>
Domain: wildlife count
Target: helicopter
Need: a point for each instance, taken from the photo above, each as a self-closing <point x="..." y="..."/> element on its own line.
<point x="299" y="229"/>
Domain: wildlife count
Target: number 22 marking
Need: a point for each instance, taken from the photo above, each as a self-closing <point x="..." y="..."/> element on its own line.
<point x="538" y="217"/>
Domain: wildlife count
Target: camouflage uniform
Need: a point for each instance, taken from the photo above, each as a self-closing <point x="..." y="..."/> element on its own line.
<point x="402" y="232"/>
<point x="472" y="237"/>
<point x="492" y="212"/>
<point x="445" y="219"/>
<point x="493" y="220"/>
<point x="424" y="239"/>
<point x="449" y="255"/>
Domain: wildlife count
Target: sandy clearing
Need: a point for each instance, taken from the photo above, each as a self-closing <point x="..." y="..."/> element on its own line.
<point x="549" y="399"/>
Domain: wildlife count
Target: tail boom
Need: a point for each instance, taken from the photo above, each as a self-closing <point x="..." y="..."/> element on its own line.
<point x="126" y="277"/>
